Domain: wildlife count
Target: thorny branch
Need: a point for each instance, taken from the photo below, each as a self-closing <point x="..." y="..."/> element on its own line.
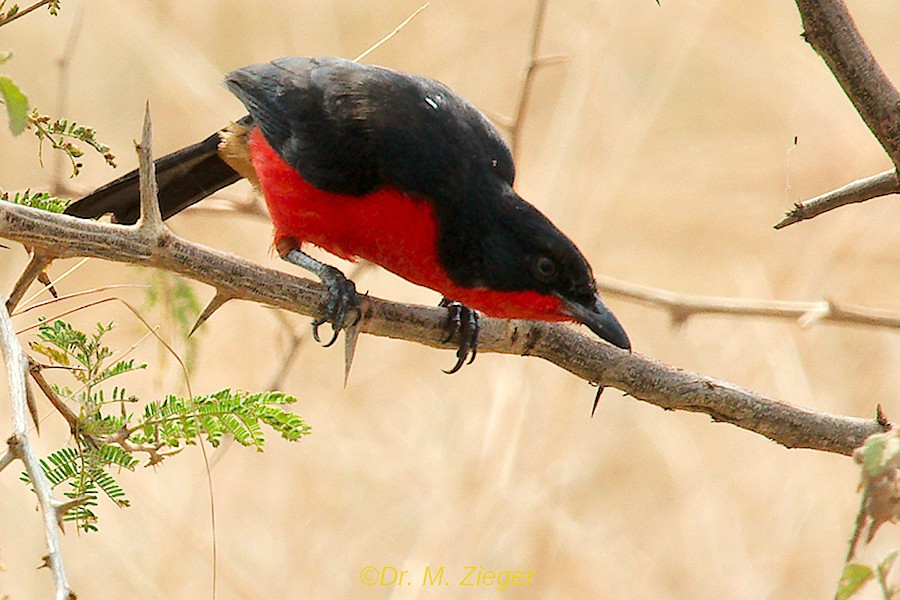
<point x="830" y="30"/>
<point x="152" y="244"/>
<point x="19" y="446"/>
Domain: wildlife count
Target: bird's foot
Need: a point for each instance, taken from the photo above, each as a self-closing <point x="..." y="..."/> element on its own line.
<point x="344" y="307"/>
<point x="343" y="300"/>
<point x="462" y="323"/>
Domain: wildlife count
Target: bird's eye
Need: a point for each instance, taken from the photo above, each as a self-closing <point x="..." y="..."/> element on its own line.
<point x="544" y="268"/>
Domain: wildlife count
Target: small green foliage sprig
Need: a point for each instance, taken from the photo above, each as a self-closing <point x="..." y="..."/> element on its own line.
<point x="60" y="133"/>
<point x="241" y="415"/>
<point x="41" y="200"/>
<point x="107" y="441"/>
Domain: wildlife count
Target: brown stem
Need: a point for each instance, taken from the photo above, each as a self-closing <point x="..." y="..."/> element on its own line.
<point x="830" y="30"/>
<point x="876" y="186"/>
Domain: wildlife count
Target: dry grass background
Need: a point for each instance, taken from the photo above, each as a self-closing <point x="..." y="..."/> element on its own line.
<point x="665" y="148"/>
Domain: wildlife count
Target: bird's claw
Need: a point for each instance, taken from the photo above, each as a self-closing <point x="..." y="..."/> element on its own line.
<point x="462" y="322"/>
<point x="343" y="300"/>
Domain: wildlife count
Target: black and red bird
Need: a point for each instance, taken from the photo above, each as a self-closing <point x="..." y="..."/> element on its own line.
<point x="397" y="169"/>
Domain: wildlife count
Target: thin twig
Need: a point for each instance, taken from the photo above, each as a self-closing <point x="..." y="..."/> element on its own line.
<point x="516" y="123"/>
<point x="396" y="30"/>
<point x="20" y="447"/>
<point x="528" y="79"/>
<point x="830" y="30"/>
<point x="71" y="418"/>
<point x="229" y="203"/>
<point x="120" y="438"/>
<point x="586" y="357"/>
<point x="48" y="287"/>
<point x="23" y="12"/>
<point x="860" y="190"/>
<point x="36" y="265"/>
<point x="683" y="306"/>
<point x="96" y="290"/>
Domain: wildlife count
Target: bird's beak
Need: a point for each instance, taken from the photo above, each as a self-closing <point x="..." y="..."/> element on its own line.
<point x="600" y="320"/>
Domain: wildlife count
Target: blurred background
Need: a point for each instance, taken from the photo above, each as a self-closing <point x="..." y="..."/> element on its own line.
<point x="666" y="145"/>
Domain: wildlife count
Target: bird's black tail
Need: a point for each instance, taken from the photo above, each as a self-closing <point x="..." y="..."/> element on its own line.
<point x="185" y="177"/>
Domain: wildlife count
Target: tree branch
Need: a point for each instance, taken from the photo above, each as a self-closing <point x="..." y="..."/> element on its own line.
<point x="20" y="447"/>
<point x="683" y="306"/>
<point x="639" y="376"/>
<point x="856" y="191"/>
<point x="830" y="30"/>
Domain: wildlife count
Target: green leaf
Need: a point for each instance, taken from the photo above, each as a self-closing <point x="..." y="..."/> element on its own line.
<point x="176" y="421"/>
<point x="109" y="486"/>
<point x="852" y="579"/>
<point x="123" y="366"/>
<point x="16" y="105"/>
<point x="114" y="455"/>
<point x="5" y="55"/>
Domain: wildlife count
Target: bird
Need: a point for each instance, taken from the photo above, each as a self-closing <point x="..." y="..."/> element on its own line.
<point x="367" y="162"/>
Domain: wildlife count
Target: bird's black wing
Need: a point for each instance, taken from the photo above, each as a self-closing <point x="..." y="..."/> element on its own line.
<point x="349" y="128"/>
<point x="184" y="177"/>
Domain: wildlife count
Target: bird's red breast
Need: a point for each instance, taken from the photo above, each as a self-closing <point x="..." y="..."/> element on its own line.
<point x="388" y="227"/>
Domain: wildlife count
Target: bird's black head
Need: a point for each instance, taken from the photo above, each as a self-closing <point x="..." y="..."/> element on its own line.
<point x="522" y="251"/>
